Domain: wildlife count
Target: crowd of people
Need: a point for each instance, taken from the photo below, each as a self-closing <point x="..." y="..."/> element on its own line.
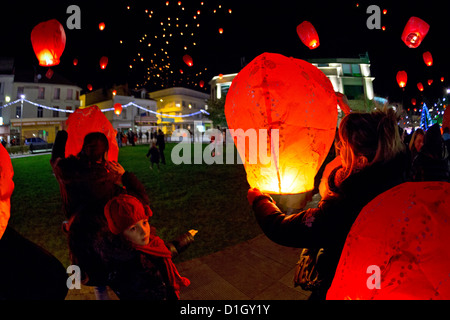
<point x="107" y="212"/>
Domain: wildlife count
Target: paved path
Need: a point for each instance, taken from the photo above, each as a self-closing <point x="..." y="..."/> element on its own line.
<point x="257" y="269"/>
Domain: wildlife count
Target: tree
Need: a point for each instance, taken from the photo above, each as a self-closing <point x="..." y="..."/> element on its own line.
<point x="216" y="109"/>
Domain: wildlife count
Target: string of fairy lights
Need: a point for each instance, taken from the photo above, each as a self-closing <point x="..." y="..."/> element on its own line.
<point x="130" y="104"/>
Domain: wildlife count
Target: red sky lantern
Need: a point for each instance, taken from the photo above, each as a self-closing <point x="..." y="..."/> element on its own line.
<point x="87" y="120"/>
<point x="293" y="97"/>
<point x="430" y="82"/>
<point x="420" y="86"/>
<point x="118" y="109"/>
<point x="402" y="78"/>
<point x="308" y="34"/>
<point x="220" y="30"/>
<point x="415" y="31"/>
<point x="49" y="41"/>
<point x="397" y="248"/>
<point x="446" y="117"/>
<point x="202" y="83"/>
<point x="188" y="60"/>
<point x="75" y="62"/>
<point x="102" y="26"/>
<point x="103" y="62"/>
<point x="442" y="79"/>
<point x="343" y="103"/>
<point x="428" y="58"/>
<point x="49" y="73"/>
<point x="413" y="101"/>
<point x="181" y="71"/>
<point x="6" y="188"/>
<point x="89" y="86"/>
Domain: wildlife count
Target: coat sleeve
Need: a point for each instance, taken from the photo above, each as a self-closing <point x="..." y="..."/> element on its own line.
<point x="59" y="147"/>
<point x="180" y="244"/>
<point x="311" y="228"/>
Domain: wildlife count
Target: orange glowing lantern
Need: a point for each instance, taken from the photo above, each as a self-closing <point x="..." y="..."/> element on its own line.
<point x="413" y="101"/>
<point x="118" y="109"/>
<point x="6" y="188"/>
<point x="415" y="31"/>
<point x="402" y="78"/>
<point x="75" y="62"/>
<point x="428" y="58"/>
<point x="430" y="82"/>
<point x="89" y="86"/>
<point x="188" y="60"/>
<point x="397" y="249"/>
<point x="87" y="120"/>
<point x="442" y="79"/>
<point x="101" y="26"/>
<point x="49" y="41"/>
<point x="220" y="30"/>
<point x="420" y="86"/>
<point x="202" y="83"/>
<point x="308" y="34"/>
<point x="290" y="106"/>
<point x="103" y="62"/>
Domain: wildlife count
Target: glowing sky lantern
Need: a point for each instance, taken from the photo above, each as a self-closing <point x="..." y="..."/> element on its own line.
<point x="308" y="34"/>
<point x="87" y="120"/>
<point x="397" y="249"/>
<point x="188" y="60"/>
<point x="415" y="31"/>
<point x="75" y="62"/>
<point x="413" y="101"/>
<point x="446" y="118"/>
<point x="103" y="62"/>
<point x="274" y="92"/>
<point x="430" y="82"/>
<point x="6" y="188"/>
<point x="118" y="109"/>
<point x="402" y="78"/>
<point x="420" y="86"/>
<point x="49" y="41"/>
<point x="442" y="79"/>
<point x="428" y="58"/>
<point x="89" y="86"/>
<point x="202" y="83"/>
<point x="101" y="26"/>
<point x="220" y="30"/>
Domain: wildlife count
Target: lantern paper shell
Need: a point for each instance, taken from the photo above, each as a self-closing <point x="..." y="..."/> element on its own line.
<point x="430" y="82"/>
<point x="415" y="31"/>
<point x="308" y="34"/>
<point x="420" y="86"/>
<point x="6" y="188"/>
<point x="103" y="62"/>
<point x="402" y="78"/>
<point x="188" y="60"/>
<point x="87" y="120"/>
<point x="293" y="96"/>
<point x="89" y="86"/>
<point x="403" y="232"/>
<point x="446" y="119"/>
<point x="413" y="101"/>
<point x="343" y="103"/>
<point x="49" y="41"/>
<point x="118" y="108"/>
<point x="75" y="62"/>
<point x="428" y="58"/>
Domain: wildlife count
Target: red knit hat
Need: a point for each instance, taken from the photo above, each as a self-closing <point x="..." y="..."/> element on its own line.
<point x="124" y="211"/>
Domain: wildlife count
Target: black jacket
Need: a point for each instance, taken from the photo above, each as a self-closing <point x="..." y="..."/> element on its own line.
<point x="327" y="225"/>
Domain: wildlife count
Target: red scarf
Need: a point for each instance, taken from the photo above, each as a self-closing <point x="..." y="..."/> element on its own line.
<point x="156" y="247"/>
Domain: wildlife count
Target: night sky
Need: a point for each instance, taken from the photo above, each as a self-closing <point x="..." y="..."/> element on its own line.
<point x="252" y="27"/>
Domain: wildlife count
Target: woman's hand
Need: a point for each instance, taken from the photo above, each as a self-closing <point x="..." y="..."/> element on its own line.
<point x="252" y="194"/>
<point x="193" y="232"/>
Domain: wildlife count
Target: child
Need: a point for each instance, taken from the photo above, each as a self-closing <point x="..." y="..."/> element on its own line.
<point x="153" y="152"/>
<point x="141" y="267"/>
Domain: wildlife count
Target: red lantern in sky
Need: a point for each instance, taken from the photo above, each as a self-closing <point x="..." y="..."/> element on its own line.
<point x="75" y="62"/>
<point x="397" y="248"/>
<point x="202" y="83"/>
<point x="49" y="41"/>
<point x="442" y="79"/>
<point x="274" y="92"/>
<point x="87" y="120"/>
<point x="430" y="82"/>
<point x="428" y="58"/>
<point x="102" y="26"/>
<point x="220" y="30"/>
<point x="118" y="109"/>
<point x="89" y="86"/>
<point x="402" y="78"/>
<point x="308" y="34"/>
<point x="103" y="62"/>
<point x="446" y="118"/>
<point x="413" y="101"/>
<point x="6" y="188"/>
<point x="415" y="31"/>
<point x="188" y="60"/>
<point x="420" y="86"/>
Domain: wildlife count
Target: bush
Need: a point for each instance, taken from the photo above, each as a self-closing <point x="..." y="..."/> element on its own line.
<point x="18" y="149"/>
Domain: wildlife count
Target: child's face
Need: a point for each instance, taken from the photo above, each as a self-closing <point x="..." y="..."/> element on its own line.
<point x="138" y="233"/>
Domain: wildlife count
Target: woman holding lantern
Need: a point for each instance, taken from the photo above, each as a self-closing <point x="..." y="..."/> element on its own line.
<point x="373" y="160"/>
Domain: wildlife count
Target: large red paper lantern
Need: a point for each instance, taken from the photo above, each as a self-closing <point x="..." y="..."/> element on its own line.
<point x="308" y="34"/>
<point x="6" y="188"/>
<point x="343" y="103"/>
<point x="420" y="86"/>
<point x="118" y="109"/>
<point x="103" y="62"/>
<point x="428" y="58"/>
<point x="397" y="249"/>
<point x="446" y="118"/>
<point x="415" y="31"/>
<point x="402" y="78"/>
<point x="87" y="120"/>
<point x="49" y="40"/>
<point x="188" y="60"/>
<point x="274" y="92"/>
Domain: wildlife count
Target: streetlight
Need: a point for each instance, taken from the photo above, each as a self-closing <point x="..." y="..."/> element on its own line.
<point x="22" y="97"/>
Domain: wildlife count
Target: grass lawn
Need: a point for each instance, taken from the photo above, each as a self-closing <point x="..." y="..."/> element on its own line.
<point x="209" y="198"/>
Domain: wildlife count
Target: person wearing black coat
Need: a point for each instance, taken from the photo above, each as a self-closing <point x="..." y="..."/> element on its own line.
<point x="161" y="143"/>
<point x="373" y="161"/>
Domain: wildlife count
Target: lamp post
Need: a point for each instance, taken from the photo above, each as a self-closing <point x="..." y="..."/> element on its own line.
<point x="22" y="97"/>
